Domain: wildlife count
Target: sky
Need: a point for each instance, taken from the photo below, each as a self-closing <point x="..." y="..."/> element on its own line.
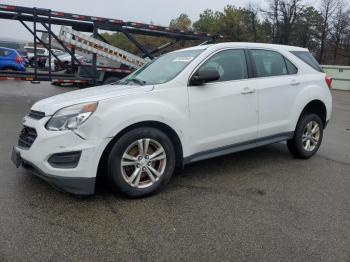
<point x="158" y="11"/>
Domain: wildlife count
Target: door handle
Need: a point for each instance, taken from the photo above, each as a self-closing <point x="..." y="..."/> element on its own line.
<point x="247" y="91"/>
<point x="294" y="82"/>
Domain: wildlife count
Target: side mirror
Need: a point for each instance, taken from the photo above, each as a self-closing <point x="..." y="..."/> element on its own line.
<point x="204" y="76"/>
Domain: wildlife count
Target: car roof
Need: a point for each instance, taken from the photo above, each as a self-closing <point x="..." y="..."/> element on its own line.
<point x="7" y="49"/>
<point x="247" y="45"/>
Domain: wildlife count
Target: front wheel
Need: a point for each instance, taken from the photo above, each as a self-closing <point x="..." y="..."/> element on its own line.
<point x="307" y="137"/>
<point x="141" y="162"/>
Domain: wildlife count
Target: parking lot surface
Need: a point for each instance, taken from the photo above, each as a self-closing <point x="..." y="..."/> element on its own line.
<point x="258" y="205"/>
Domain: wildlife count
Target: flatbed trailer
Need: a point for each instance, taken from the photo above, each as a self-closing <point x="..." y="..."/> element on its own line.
<point x="33" y="19"/>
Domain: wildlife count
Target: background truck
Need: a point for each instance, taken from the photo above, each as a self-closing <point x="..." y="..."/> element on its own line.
<point x="80" y="34"/>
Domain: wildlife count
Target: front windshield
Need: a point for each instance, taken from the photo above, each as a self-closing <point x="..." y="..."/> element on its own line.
<point x="161" y="70"/>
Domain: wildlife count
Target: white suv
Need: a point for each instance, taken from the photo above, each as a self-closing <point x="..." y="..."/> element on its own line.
<point x="185" y="106"/>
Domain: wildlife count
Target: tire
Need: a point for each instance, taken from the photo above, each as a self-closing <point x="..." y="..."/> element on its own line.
<point x="298" y="145"/>
<point x="33" y="62"/>
<point x="140" y="181"/>
<point x="111" y="80"/>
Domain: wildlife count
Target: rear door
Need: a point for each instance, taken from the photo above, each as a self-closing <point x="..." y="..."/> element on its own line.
<point x="277" y="84"/>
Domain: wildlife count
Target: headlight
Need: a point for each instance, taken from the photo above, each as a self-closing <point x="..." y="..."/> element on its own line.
<point x="71" y="117"/>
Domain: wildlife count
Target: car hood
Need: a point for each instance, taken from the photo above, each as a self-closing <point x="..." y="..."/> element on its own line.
<point x="52" y="104"/>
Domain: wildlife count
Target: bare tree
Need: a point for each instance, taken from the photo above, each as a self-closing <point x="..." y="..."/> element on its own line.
<point x="253" y="13"/>
<point x="283" y="15"/>
<point x="339" y="26"/>
<point x="275" y="19"/>
<point x="328" y="9"/>
<point x="290" y="11"/>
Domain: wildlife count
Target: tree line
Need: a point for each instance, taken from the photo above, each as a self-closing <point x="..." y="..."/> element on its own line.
<point x="323" y="29"/>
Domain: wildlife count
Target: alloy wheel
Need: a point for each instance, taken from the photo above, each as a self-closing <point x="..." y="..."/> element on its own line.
<point x="311" y="136"/>
<point x="143" y="163"/>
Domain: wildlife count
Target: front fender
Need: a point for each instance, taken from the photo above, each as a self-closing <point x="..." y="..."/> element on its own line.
<point x="117" y="114"/>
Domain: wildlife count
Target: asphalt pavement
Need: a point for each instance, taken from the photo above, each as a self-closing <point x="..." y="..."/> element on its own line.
<point x="257" y="205"/>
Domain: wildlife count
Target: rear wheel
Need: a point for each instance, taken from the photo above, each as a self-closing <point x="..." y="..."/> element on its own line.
<point x="141" y="162"/>
<point x="307" y="136"/>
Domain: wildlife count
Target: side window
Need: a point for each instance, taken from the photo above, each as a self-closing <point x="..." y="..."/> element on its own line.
<point x="231" y="65"/>
<point x="2" y="53"/>
<point x="30" y="50"/>
<point x="292" y="69"/>
<point x="40" y="51"/>
<point x="269" y="63"/>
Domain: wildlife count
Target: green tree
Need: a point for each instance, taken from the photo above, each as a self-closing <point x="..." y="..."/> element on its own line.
<point x="118" y="40"/>
<point x="183" y="22"/>
<point x="208" y="22"/>
<point x="306" y="29"/>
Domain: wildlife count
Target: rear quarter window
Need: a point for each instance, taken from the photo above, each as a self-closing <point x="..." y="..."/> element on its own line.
<point x="292" y="69"/>
<point x="308" y="59"/>
<point x="4" y="53"/>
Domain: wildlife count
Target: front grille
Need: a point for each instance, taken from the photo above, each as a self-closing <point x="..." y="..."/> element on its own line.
<point x="36" y="114"/>
<point x="27" y="137"/>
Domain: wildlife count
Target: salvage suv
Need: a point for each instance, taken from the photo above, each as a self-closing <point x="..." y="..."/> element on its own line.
<point x="185" y="106"/>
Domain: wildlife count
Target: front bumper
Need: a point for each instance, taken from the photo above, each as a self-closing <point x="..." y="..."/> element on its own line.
<point x="73" y="185"/>
<point x="78" y="178"/>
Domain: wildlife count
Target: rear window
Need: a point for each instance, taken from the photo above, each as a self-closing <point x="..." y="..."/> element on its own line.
<point x="308" y="58"/>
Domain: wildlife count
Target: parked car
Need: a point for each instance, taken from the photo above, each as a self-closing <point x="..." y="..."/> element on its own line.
<point x="42" y="55"/>
<point x="10" y="60"/>
<point x="53" y="59"/>
<point x="185" y="106"/>
<point x="64" y="61"/>
<point x="19" y="47"/>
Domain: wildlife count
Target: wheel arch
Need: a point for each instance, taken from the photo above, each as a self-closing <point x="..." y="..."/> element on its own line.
<point x="169" y="131"/>
<point x="317" y="107"/>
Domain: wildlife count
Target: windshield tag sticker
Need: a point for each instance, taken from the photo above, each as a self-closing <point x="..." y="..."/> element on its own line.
<point x="183" y="59"/>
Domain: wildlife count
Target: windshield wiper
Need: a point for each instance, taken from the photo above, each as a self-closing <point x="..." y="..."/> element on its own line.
<point x="136" y="80"/>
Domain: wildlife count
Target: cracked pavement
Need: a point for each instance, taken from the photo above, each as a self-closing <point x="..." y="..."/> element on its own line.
<point x="257" y="205"/>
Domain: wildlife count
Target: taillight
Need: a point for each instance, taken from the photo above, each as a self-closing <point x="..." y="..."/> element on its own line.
<point x="329" y="81"/>
<point x="18" y="59"/>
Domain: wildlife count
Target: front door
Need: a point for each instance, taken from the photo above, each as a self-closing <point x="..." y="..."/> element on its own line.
<point x="224" y="113"/>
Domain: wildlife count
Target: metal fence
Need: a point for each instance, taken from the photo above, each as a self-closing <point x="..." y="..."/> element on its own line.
<point x="340" y="75"/>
